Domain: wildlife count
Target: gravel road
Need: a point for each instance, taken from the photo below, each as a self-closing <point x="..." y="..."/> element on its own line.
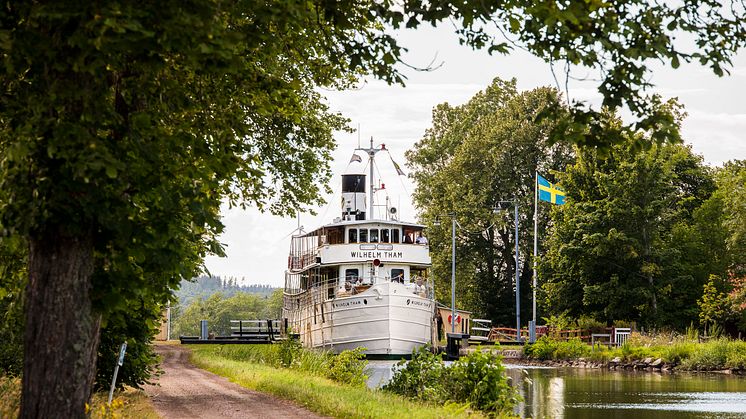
<point x="185" y="391"/>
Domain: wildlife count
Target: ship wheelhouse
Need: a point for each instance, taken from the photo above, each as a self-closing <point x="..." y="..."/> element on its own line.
<point x="347" y="256"/>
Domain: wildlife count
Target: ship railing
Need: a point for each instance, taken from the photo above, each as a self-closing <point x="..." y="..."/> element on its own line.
<point x="301" y="261"/>
<point x="421" y="286"/>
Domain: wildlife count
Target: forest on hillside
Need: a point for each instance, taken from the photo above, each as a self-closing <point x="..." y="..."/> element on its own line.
<point x="204" y="286"/>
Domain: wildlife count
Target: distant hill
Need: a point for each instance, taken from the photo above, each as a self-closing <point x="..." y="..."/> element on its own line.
<point x="205" y="286"/>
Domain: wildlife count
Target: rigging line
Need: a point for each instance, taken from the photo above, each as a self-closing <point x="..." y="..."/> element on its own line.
<point x="377" y="171"/>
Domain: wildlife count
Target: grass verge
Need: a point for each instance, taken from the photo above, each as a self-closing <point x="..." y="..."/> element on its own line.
<point x="130" y="403"/>
<point x="319" y="394"/>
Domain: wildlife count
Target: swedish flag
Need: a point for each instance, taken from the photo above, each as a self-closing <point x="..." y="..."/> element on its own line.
<point x="549" y="191"/>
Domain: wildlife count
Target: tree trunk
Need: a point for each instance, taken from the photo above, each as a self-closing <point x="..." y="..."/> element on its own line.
<point x="62" y="330"/>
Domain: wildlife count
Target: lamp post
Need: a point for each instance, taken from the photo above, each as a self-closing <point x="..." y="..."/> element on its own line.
<point x="517" y="270"/>
<point x="453" y="269"/>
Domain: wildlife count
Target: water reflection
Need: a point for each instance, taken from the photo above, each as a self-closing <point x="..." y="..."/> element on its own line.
<point x="593" y="393"/>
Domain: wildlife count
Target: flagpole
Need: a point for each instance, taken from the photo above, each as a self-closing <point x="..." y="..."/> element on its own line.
<point x="536" y="240"/>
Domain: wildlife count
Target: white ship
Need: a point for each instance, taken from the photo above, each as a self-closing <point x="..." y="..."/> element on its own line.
<point x="361" y="282"/>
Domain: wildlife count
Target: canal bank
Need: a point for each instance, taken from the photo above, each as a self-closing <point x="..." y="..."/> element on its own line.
<point x="644" y="365"/>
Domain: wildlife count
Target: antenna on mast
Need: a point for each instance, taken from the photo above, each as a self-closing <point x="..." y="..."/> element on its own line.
<point x="371" y="155"/>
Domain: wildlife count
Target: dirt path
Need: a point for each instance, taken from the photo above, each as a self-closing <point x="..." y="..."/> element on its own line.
<point x="186" y="391"/>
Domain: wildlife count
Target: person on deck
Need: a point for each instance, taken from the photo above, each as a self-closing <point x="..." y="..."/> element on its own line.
<point x="421" y="239"/>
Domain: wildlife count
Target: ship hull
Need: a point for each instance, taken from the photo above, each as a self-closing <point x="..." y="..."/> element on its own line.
<point x="387" y="319"/>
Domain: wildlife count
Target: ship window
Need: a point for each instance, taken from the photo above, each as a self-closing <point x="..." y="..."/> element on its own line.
<point x="374" y="235"/>
<point x="384" y="235"/>
<point x="351" y="275"/>
<point x="363" y="235"/>
<point x="397" y="275"/>
<point x="394" y="235"/>
<point x="352" y="235"/>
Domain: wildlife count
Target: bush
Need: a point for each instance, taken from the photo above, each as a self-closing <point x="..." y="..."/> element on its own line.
<point x="678" y="351"/>
<point x="736" y="357"/>
<point x="349" y="367"/>
<point x="480" y="379"/>
<point x="546" y="348"/>
<point x="419" y="378"/>
<point x="137" y="326"/>
<point x="709" y="356"/>
<point x="571" y="349"/>
<point x="289" y="351"/>
<point x="542" y="349"/>
<point x="591" y="324"/>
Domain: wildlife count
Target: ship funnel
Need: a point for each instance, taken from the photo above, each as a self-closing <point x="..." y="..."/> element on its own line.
<point x="353" y="197"/>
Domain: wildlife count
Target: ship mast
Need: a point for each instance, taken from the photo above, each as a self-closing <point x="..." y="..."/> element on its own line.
<point x="371" y="156"/>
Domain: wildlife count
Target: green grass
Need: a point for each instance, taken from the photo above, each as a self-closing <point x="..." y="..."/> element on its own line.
<point x="314" y="392"/>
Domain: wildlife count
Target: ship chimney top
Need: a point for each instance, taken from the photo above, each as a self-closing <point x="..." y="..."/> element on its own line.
<point x="353" y="197"/>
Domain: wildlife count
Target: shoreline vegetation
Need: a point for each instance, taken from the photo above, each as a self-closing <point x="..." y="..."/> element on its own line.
<point x="335" y="385"/>
<point x="657" y="353"/>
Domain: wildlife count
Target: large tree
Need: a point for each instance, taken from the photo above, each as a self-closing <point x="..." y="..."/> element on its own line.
<point x="123" y="124"/>
<point x="123" y="127"/>
<point x="634" y="240"/>
<point x="474" y="156"/>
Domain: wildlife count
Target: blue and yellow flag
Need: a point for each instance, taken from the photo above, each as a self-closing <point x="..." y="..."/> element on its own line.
<point x="549" y="191"/>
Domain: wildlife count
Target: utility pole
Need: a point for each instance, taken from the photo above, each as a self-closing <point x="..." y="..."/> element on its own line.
<point x="453" y="273"/>
<point x="517" y="277"/>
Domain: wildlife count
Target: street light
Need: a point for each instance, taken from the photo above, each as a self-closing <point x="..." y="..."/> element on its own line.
<point x="499" y="206"/>
<point x="453" y="268"/>
<point x="496" y="209"/>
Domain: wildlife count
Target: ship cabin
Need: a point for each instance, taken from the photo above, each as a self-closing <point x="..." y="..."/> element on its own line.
<point x="350" y="255"/>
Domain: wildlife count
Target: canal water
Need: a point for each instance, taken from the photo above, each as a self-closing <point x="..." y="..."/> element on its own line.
<point x="599" y="393"/>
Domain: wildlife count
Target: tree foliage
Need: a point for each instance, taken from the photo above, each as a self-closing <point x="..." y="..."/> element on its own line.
<point x="637" y="238"/>
<point x="474" y="156"/>
<point x="616" y="39"/>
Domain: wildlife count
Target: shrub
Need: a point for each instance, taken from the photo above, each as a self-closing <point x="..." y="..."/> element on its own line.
<point x="736" y="357"/>
<point x="542" y="349"/>
<point x="349" y="367"/>
<point x="480" y="379"/>
<point x="678" y="351"/>
<point x="709" y="356"/>
<point x="571" y="349"/>
<point x="289" y="352"/>
<point x="591" y="324"/>
<point x="418" y="378"/>
<point x="546" y="348"/>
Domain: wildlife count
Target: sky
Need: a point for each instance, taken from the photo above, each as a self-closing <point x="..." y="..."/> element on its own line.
<point x="257" y="244"/>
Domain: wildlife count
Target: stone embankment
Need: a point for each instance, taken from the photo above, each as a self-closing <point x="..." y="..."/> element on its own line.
<point x="648" y="364"/>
